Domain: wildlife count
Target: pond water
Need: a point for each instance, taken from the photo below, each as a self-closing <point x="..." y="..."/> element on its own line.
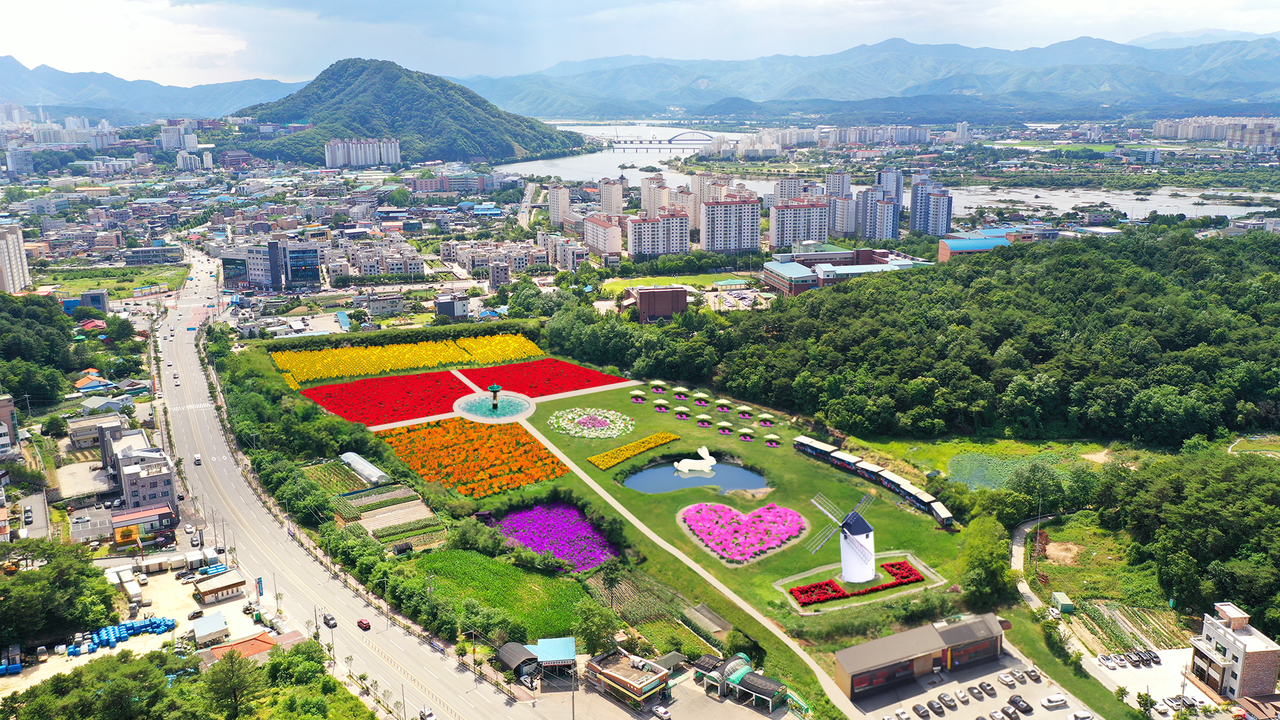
<point x="664" y="478"/>
<point x="482" y="406"/>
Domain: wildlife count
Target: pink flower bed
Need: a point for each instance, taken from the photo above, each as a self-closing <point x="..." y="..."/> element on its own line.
<point x="739" y="538"/>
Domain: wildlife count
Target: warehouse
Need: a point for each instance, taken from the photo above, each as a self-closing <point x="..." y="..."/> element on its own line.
<point x="899" y="659"/>
<point x="220" y="586"/>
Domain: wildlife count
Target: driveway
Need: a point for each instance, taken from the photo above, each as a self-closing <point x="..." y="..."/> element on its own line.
<point x="39" y="526"/>
<point x="1019" y="554"/>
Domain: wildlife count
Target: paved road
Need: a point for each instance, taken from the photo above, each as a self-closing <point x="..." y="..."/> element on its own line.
<point x="1018" y="556"/>
<point x="263" y="548"/>
<point x="530" y="192"/>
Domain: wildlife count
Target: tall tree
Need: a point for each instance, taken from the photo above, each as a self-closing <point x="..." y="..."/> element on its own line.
<point x="595" y="624"/>
<point x="986" y="576"/>
<point x="233" y="684"/>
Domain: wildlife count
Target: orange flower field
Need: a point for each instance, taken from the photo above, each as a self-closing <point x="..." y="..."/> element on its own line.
<point x="473" y="458"/>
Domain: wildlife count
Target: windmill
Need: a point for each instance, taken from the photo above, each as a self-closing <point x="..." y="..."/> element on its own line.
<point x="857" y="539"/>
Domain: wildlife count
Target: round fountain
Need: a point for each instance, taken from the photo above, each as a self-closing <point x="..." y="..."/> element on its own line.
<point x="494" y="406"/>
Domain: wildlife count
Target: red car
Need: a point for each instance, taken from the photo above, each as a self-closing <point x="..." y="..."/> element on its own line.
<point x="363" y="624"/>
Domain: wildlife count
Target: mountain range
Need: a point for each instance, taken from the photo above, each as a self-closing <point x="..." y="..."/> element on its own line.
<point x="1084" y="71"/>
<point x="103" y="91"/>
<point x="433" y="118"/>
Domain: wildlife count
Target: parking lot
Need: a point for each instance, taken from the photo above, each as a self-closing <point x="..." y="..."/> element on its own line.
<point x="887" y="704"/>
<point x="1160" y="681"/>
<point x="39" y="525"/>
<point x="98" y="524"/>
<point x="747" y="299"/>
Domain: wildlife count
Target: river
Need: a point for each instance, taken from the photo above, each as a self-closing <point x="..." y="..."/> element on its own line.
<point x="594" y="166"/>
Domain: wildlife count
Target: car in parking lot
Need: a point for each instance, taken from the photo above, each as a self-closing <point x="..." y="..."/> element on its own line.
<point x="947" y="700"/>
<point x="658" y="711"/>
<point x="921" y="711"/>
<point x="1105" y="661"/>
<point x="189" y="529"/>
<point x="1010" y="712"/>
<point x="1161" y="708"/>
<point x="143" y="579"/>
<point x="1018" y="675"/>
<point x="987" y="688"/>
<point x="901" y="714"/>
<point x="974" y="692"/>
<point x="195" y="614"/>
<point x="330" y="620"/>
<point x="961" y="695"/>
<point x="936" y="707"/>
<point x="1006" y="679"/>
<point x="195" y="541"/>
<point x="997" y="715"/>
<point x="1021" y="704"/>
<point x="81" y="519"/>
<point x="1154" y="657"/>
<point x="1034" y="674"/>
<point x="1119" y="660"/>
<point x="1080" y="715"/>
<point x="1053" y="701"/>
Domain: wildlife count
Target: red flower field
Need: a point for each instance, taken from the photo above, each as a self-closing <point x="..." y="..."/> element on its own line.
<point x="540" y="377"/>
<point x="902" y="572"/>
<point x="377" y="401"/>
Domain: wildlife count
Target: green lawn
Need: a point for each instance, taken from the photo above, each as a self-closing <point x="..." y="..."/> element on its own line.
<point x="937" y="454"/>
<point x="122" y="285"/>
<point x="705" y="279"/>
<point x="795" y="479"/>
<point x="1259" y="443"/>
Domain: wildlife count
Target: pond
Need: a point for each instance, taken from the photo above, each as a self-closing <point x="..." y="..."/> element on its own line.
<point x="664" y="478"/>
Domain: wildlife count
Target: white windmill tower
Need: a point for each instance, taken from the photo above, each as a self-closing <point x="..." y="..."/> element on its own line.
<point x="857" y="539"/>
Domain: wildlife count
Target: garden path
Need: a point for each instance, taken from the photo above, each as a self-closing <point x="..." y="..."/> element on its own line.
<point x="1019" y="547"/>
<point x="837" y="698"/>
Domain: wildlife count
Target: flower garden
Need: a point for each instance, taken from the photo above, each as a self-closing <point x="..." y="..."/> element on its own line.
<point x="540" y="377"/>
<point x="739" y="538"/>
<point x="591" y="423"/>
<point x="376" y="401"/>
<point x="474" y="458"/>
<point x="902" y="572"/>
<point x="309" y="365"/>
<point x="560" y="529"/>
<point x="606" y="460"/>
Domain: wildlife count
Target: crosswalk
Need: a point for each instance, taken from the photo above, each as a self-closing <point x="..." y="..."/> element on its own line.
<point x="192" y="406"/>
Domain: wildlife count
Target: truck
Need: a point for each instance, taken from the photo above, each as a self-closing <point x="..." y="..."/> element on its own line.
<point x="42" y="654"/>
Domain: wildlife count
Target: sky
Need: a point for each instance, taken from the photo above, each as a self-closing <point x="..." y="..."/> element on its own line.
<point x="190" y="42"/>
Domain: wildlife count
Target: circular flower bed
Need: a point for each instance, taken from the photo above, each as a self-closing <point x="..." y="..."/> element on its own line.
<point x="591" y="423"/>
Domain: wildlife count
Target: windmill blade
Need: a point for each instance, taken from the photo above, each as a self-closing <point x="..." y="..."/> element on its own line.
<point x="828" y="508"/>
<point x="860" y="550"/>
<point x="864" y="502"/>
<point x="815" y="543"/>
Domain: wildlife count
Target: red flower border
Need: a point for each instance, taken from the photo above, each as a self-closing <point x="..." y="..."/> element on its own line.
<point x="902" y="572"/>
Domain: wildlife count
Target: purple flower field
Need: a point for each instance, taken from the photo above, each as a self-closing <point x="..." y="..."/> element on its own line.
<point x="561" y="529"/>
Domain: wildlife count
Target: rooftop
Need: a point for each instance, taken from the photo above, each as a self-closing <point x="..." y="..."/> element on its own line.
<point x="619" y="664"/>
<point x="790" y="270"/>
<point x="554" y="650"/>
<point x="976" y="244"/>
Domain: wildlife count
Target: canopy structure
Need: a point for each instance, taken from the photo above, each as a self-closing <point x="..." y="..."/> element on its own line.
<point x="657" y="383"/>
<point x="661" y="402"/>
<point x="701" y="395"/>
<point x="746" y="431"/>
<point x="743" y="408"/>
<point x="637" y="392"/>
<point x="771" y="436"/>
<point x="724" y="424"/>
<point x="722" y="401"/>
<point x="680" y="388"/>
<point x="681" y="408"/>
<point x="703" y="417"/>
<point x="764" y="416"/>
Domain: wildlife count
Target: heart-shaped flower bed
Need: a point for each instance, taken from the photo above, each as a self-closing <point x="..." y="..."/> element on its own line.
<point x="738" y="538"/>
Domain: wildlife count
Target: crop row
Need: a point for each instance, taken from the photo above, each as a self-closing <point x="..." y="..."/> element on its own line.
<point x="1112" y="634"/>
<point x="412" y="525"/>
<point x="416" y="538"/>
<point x="345" y="510"/>
<point x="606" y="460"/>
<point x="370" y="507"/>
<point x="376" y="490"/>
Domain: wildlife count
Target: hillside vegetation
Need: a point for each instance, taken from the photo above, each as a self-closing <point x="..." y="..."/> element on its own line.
<point x="1153" y="335"/>
<point x="432" y="118"/>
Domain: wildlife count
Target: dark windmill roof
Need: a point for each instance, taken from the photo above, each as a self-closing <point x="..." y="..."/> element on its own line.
<point x="855" y="524"/>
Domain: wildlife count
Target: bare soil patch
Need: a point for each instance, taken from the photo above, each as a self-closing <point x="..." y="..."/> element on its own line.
<point x="1062" y="553"/>
<point x="1101" y="457"/>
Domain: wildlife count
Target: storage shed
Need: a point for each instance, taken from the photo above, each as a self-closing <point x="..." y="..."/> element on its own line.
<point x="517" y="658"/>
<point x="1062" y="602"/>
<point x="365" y="469"/>
<point x="211" y="629"/>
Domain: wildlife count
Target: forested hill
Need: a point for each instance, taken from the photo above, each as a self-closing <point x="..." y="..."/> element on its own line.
<point x="432" y="118"/>
<point x="1152" y="335"/>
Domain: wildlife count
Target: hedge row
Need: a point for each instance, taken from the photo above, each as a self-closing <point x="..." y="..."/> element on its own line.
<point x="345" y="510"/>
<point x="406" y="527"/>
<point x="529" y="328"/>
<point x="387" y="503"/>
<point x="342" y="281"/>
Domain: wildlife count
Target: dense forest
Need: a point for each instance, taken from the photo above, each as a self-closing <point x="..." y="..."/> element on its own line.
<point x="433" y="118"/>
<point x="1153" y="335"/>
<point x="63" y="594"/>
<point x="35" y="348"/>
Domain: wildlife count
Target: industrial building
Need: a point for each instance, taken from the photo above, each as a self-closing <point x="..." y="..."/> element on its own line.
<point x="898" y="659"/>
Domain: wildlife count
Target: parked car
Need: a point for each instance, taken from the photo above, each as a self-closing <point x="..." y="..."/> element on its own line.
<point x="1006" y="679"/>
<point x="962" y="696"/>
<point x="947" y="700"/>
<point x="364" y="625"/>
<point x="195" y="614"/>
<point x="1174" y="702"/>
<point x="189" y="529"/>
<point x="936" y="707"/>
<point x="1054" y="700"/>
<point x="1154" y="657"/>
<point x="1021" y="704"/>
<point x="1161" y="708"/>
<point x="143" y="579"/>
<point x="901" y="714"/>
<point x="974" y="692"/>
<point x="658" y="710"/>
<point x="1018" y="675"/>
<point x="195" y="541"/>
<point x="1034" y="674"/>
<point x="1119" y="660"/>
<point x="921" y="711"/>
<point x="119" y="502"/>
<point x="987" y="688"/>
<point x="1080" y="715"/>
<point x="1010" y="712"/>
<point x="330" y="620"/>
<point x="997" y="715"/>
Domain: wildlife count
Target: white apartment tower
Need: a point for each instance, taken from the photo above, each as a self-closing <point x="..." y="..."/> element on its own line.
<point x="962" y="133"/>
<point x="612" y="199"/>
<point x="558" y="204"/>
<point x="876" y="214"/>
<point x="787" y="188"/>
<point x="601" y="237"/>
<point x="361" y="153"/>
<point x="843" y="215"/>
<point x="930" y="207"/>
<point x="654" y="194"/>
<point x="837" y="184"/>
<point x="798" y="221"/>
<point x="731" y="225"/>
<point x="14" y="274"/>
<point x="666" y="233"/>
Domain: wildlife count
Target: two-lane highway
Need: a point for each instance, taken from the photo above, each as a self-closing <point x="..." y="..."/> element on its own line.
<point x="263" y="547"/>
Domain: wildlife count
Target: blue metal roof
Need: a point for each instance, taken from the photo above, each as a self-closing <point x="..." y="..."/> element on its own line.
<point x="969" y="245"/>
<point x="790" y="270"/>
<point x="551" y="650"/>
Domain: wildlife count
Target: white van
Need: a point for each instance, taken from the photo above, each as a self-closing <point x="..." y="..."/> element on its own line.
<point x="197" y="458"/>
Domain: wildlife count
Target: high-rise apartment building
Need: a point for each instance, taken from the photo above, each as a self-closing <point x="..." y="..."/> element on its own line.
<point x="14" y="274"/>
<point x="930" y="207"/>
<point x="557" y="204"/>
<point x="843" y="215"/>
<point x="797" y="221"/>
<point x="876" y="213"/>
<point x="361" y="153"/>
<point x="171" y="137"/>
<point x="666" y="233"/>
<point x="601" y="237"/>
<point x="654" y="194"/>
<point x="731" y="225"/>
<point x="787" y="188"/>
<point x="837" y="184"/>
<point x="962" y="133"/>
<point x="612" y="198"/>
<point x="890" y="179"/>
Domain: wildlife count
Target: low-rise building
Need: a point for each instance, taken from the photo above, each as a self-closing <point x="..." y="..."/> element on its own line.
<point x="143" y="523"/>
<point x="898" y="659"/>
<point x="654" y="303"/>
<point x="949" y="248"/>
<point x="1232" y="657"/>
<point x="218" y="587"/>
<point x="83" y="431"/>
<point x="452" y="306"/>
<point x="630" y="678"/>
<point x="145" y="472"/>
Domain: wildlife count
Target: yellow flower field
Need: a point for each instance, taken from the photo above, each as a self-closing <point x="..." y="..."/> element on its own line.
<point x="606" y="460"/>
<point x="309" y="365"/>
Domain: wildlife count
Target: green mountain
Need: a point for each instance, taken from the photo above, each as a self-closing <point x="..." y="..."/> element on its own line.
<point x="432" y="118"/>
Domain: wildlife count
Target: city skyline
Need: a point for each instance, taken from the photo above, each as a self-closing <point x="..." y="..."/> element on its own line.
<point x="205" y="41"/>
